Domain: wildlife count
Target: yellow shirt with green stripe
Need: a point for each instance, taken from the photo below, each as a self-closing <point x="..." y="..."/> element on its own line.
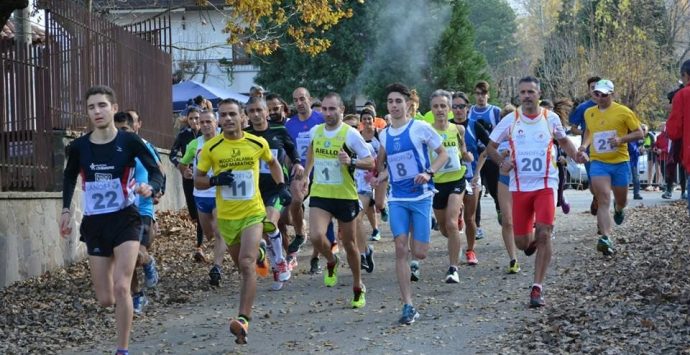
<point x="331" y="179"/>
<point x="242" y="199"/>
<point x="616" y="121"/>
<point x="453" y="169"/>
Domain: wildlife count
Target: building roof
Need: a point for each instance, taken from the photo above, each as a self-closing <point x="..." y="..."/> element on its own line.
<point x="9" y="31"/>
<point x="108" y="5"/>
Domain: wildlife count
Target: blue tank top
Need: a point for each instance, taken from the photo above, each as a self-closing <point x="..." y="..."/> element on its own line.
<point x="472" y="147"/>
<point x="404" y="163"/>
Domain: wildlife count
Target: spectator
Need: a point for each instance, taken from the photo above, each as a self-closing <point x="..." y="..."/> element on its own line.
<point x="661" y="148"/>
<point x="316" y="105"/>
<point x="679" y="119"/>
<point x="203" y="104"/>
<point x="257" y="91"/>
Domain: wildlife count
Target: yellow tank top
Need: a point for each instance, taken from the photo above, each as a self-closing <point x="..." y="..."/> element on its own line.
<point x="331" y="179"/>
<point x="453" y="169"/>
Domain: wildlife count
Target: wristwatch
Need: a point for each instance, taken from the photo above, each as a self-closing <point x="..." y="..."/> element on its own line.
<point x="353" y="163"/>
<point x="429" y="172"/>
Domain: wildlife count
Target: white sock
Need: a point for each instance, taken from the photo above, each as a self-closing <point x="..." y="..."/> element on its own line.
<point x="277" y="244"/>
<point x="537" y="285"/>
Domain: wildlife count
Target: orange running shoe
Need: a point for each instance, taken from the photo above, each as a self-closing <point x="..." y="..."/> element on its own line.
<point x="239" y="328"/>
<point x="262" y="268"/>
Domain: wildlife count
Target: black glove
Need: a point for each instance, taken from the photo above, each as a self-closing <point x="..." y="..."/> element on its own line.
<point x="284" y="194"/>
<point x="223" y="179"/>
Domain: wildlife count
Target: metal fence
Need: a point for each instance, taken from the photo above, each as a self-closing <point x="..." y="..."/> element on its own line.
<point x="42" y="88"/>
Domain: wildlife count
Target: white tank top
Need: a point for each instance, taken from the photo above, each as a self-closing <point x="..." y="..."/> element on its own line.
<point x="532" y="153"/>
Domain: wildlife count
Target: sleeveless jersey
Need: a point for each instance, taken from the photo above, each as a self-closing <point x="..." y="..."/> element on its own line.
<point x="532" y="154"/>
<point x="331" y="179"/>
<point x="453" y="169"/>
<point x="404" y="163"/>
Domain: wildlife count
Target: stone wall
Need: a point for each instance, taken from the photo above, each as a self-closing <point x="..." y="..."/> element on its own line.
<point x="30" y="242"/>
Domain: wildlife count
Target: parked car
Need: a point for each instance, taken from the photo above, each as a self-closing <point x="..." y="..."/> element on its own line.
<point x="576" y="174"/>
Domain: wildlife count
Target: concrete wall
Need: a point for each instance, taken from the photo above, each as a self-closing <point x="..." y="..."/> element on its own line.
<point x="30" y="242"/>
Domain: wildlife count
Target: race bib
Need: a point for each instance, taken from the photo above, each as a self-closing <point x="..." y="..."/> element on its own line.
<point x="242" y="187"/>
<point x="263" y="165"/>
<point x="453" y="162"/>
<point x="601" y="141"/>
<point x="532" y="163"/>
<point x="327" y="172"/>
<point x="403" y="165"/>
<point x="103" y="197"/>
<point x="303" y="146"/>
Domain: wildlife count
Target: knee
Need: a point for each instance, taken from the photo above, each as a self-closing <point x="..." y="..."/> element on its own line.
<point x="122" y="288"/>
<point x="401" y="249"/>
<point x="543" y="235"/>
<point x="246" y="264"/>
<point x="450" y="227"/>
<point x="521" y="242"/>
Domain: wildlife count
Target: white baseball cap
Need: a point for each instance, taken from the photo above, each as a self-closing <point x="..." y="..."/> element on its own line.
<point x="604" y="86"/>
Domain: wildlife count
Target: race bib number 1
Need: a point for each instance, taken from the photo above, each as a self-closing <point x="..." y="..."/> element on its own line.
<point x="327" y="171"/>
<point x="242" y="187"/>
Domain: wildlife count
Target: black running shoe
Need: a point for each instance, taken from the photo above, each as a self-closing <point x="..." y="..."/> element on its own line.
<point x="296" y="244"/>
<point x="214" y="275"/>
<point x="315" y="268"/>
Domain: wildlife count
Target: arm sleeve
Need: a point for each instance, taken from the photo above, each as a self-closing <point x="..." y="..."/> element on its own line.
<point x="556" y="126"/>
<point x="431" y="137"/>
<point x="188" y="157"/>
<point x="175" y="149"/>
<point x="69" y="181"/>
<point x="148" y="161"/>
<point x="631" y="121"/>
<point x="290" y="147"/>
<point x="674" y="125"/>
<point x="482" y="134"/>
<point x="356" y="143"/>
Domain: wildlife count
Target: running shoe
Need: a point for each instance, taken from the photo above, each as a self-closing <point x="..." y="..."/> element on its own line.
<point x="471" y="257"/>
<point x="409" y="314"/>
<point x="239" y="328"/>
<point x="199" y="256"/>
<point x="666" y="195"/>
<point x="434" y="224"/>
<point x="359" y="300"/>
<point x="283" y="270"/>
<point x="535" y="298"/>
<point x="363" y="262"/>
<point x="605" y="246"/>
<point x="565" y="207"/>
<point x="531" y="248"/>
<point x="618" y="216"/>
<point x="384" y="215"/>
<point x="139" y="301"/>
<point x="314" y="267"/>
<point x="452" y="275"/>
<point x="514" y="267"/>
<point x="261" y="261"/>
<point x="480" y="234"/>
<point x="594" y="207"/>
<point x="637" y="197"/>
<point x="292" y="261"/>
<point x="150" y="273"/>
<point x="414" y="271"/>
<point x="334" y="248"/>
<point x="330" y="277"/>
<point x="277" y="284"/>
<point x="214" y="275"/>
<point x="375" y="235"/>
<point x="296" y="244"/>
<point x="369" y="257"/>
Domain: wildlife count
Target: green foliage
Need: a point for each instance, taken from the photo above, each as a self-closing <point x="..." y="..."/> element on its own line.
<point x="457" y="65"/>
<point x="494" y="29"/>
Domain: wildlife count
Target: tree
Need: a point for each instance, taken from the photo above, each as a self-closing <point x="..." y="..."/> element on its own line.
<point x="457" y="65"/>
<point x="263" y="26"/>
<point x="332" y="70"/>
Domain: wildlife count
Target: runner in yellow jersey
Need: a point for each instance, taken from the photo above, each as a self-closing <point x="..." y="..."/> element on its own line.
<point x="610" y="126"/>
<point x="450" y="179"/>
<point x="334" y="191"/>
<point x="234" y="157"/>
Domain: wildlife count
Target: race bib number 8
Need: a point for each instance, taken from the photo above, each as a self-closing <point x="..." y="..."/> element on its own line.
<point x="263" y="165"/>
<point x="327" y="171"/>
<point x="602" y="142"/>
<point x="403" y="165"/>
<point x="242" y="187"/>
<point x="103" y="197"/>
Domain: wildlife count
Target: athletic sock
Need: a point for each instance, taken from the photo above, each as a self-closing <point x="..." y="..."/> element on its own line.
<point x="122" y="352"/>
<point x="277" y="245"/>
<point x="375" y="231"/>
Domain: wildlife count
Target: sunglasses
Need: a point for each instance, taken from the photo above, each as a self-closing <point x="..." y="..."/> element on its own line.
<point x="459" y="106"/>
<point x="598" y="94"/>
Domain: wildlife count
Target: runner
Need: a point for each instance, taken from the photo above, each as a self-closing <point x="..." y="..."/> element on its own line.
<point x="125" y="121"/>
<point x="206" y="199"/>
<point x="474" y="134"/>
<point x="234" y="157"/>
<point x="405" y="147"/>
<point x="533" y="175"/>
<point x="366" y="192"/>
<point x="105" y="160"/>
<point x="334" y="192"/>
<point x="281" y="147"/>
<point x="450" y="179"/>
<point x="610" y="126"/>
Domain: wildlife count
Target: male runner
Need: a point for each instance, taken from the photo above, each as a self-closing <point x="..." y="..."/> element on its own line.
<point x="105" y="159"/>
<point x="610" y="126"/>
<point x="205" y="199"/>
<point x="334" y="192"/>
<point x="124" y="121"/>
<point x="281" y="147"/>
<point x="234" y="157"/>
<point x="530" y="131"/>
<point x="405" y="148"/>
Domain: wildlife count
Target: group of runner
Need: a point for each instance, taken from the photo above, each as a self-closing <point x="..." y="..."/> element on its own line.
<point x="250" y="183"/>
